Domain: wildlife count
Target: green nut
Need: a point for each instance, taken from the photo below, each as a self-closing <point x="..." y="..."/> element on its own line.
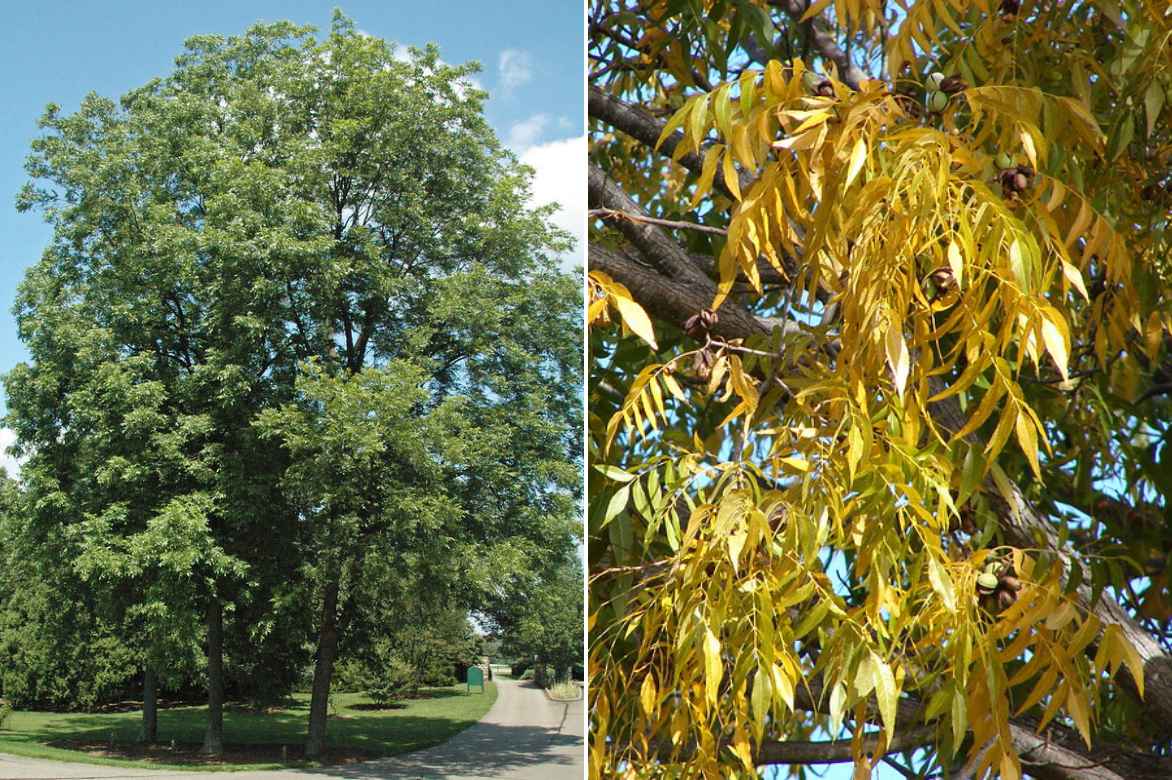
<point x="937" y="101"/>
<point x="987" y="581"/>
<point x="1004" y="161"/>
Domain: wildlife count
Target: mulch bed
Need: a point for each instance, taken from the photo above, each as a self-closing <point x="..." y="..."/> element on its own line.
<point x="184" y="753"/>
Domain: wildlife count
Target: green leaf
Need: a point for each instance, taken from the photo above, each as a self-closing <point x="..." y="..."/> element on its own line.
<point x="617" y="503"/>
<point x="614" y="473"/>
<point x="1153" y="104"/>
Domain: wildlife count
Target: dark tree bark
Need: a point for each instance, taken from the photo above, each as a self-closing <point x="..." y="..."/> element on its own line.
<point x="213" y="741"/>
<point x="150" y="709"/>
<point x="323" y="672"/>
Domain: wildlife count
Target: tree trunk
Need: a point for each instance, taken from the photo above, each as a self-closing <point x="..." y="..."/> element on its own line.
<point x="150" y="710"/>
<point x="323" y="671"/>
<point x="213" y="741"/>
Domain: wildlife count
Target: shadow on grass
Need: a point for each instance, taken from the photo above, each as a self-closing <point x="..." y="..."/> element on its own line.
<point x="270" y="738"/>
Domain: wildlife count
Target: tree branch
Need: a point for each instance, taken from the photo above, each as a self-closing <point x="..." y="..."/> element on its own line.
<point x="823" y="41"/>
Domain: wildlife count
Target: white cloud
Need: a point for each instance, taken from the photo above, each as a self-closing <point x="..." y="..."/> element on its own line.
<point x="9" y="463"/>
<point x="526" y="133"/>
<point x="560" y="176"/>
<point x="516" y="68"/>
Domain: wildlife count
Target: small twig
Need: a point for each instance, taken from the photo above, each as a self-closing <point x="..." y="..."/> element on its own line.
<point x="613" y="214"/>
<point x="738" y="348"/>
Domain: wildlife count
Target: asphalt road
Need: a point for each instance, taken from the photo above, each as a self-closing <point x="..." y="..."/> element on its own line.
<point x="525" y="736"/>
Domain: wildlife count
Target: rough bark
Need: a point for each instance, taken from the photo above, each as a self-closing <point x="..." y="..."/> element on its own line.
<point x="323" y="672"/>
<point x="213" y="740"/>
<point x="150" y="709"/>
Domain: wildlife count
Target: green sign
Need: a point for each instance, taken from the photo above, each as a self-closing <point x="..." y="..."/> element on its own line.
<point x="475" y="677"/>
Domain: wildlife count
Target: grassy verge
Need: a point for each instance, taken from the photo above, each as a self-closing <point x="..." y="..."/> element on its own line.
<point x="253" y="740"/>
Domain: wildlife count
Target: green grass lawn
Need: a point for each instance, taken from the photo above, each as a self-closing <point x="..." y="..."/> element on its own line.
<point x="252" y="740"/>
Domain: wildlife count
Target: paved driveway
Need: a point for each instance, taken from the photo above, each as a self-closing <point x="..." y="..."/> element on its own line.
<point x="525" y="736"/>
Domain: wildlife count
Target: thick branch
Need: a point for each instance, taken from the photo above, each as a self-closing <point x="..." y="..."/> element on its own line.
<point x="672" y="302"/>
<point x="656" y="245"/>
<point x="838" y="751"/>
<point x="823" y="42"/>
<point x="645" y="128"/>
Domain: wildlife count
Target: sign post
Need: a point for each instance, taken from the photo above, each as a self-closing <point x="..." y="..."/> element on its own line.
<point x="475" y="677"/>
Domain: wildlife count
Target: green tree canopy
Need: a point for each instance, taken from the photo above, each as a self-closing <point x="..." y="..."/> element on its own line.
<point x="317" y="230"/>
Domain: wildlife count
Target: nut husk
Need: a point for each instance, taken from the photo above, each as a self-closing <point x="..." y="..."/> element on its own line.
<point x="952" y="85"/>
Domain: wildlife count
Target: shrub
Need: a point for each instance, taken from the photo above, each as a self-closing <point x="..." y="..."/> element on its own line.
<point x="518" y="669"/>
<point x="565" y="691"/>
<point x="5" y="711"/>
<point x="394" y="681"/>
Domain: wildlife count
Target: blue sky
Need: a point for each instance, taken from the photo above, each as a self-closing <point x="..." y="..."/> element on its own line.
<point x="531" y="55"/>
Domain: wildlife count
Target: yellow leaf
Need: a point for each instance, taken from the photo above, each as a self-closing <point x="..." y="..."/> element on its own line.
<point x="837" y="707"/>
<point x="1027" y="143"/>
<point x="1132" y="661"/>
<point x="635" y="318"/>
<point x="794" y="462"/>
<point x="1057" y="340"/>
<point x="897" y="356"/>
<point x="858" y="157"/>
<point x="1057" y="619"/>
<point x="1027" y="437"/>
<point x="760" y="700"/>
<point x="1010" y="767"/>
<point x="731" y="179"/>
<point x="886" y="692"/>
<point x="713" y="668"/>
<point x="736" y="543"/>
<point x="783" y="685"/>
<point x="865" y="676"/>
<point x="1017" y="264"/>
<point x="707" y="172"/>
<point x="649" y="696"/>
<point x="941" y="583"/>
<point x="741" y="747"/>
<point x="956" y="263"/>
<point x="1074" y="276"/>
<point x="698" y="122"/>
<point x="1077" y="706"/>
